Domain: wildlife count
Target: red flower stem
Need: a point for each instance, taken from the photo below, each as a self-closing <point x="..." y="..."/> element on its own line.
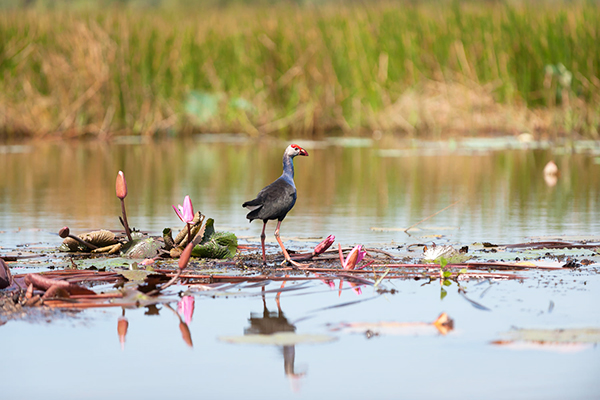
<point x="127" y="231"/>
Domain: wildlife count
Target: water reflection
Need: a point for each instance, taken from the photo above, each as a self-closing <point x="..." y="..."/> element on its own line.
<point x="442" y="326"/>
<point x="186" y="334"/>
<point x="122" y="326"/>
<point x="342" y="190"/>
<point x="184" y="313"/>
<point x="271" y="322"/>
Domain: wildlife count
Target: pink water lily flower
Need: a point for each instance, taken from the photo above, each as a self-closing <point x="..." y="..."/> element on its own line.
<point x="355" y="256"/>
<point x="185" y="213"/>
<point x="354" y="286"/>
<point x="186" y="308"/>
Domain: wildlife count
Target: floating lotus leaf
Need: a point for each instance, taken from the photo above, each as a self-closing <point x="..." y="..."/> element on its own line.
<point x="142" y="248"/>
<point x="583" y="335"/>
<point x="99" y="238"/>
<point x="219" y="245"/>
<point x="135" y="275"/>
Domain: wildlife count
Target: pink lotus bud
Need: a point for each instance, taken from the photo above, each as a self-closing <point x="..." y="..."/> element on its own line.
<point x="324" y="245"/>
<point x="121" y="186"/>
<point x="184" y="258"/>
<point x="64" y="232"/>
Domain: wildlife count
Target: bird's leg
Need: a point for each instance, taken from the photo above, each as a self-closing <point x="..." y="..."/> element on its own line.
<point x="262" y="242"/>
<point x="287" y="257"/>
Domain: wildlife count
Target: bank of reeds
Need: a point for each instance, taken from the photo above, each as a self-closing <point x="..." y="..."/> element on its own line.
<point x="418" y="68"/>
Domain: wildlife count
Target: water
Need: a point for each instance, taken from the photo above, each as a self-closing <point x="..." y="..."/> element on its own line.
<point x="360" y="191"/>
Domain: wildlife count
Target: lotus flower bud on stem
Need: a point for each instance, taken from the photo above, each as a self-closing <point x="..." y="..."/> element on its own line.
<point x="121" y="189"/>
<point x="65" y="232"/>
<point x="185" y="256"/>
<point x="121" y="186"/>
<point x="324" y="245"/>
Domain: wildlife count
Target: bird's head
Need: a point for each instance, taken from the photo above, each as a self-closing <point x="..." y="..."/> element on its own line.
<point x="294" y="150"/>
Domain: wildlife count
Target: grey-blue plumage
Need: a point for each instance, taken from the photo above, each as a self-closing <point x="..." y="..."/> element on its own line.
<point x="277" y="199"/>
<point x="273" y="202"/>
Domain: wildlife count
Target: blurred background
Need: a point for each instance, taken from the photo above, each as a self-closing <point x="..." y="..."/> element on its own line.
<point x="170" y="68"/>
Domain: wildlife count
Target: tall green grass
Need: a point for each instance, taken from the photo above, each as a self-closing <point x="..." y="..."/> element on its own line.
<point x="441" y="67"/>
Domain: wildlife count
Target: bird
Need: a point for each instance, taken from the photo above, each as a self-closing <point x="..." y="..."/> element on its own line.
<point x="274" y="201"/>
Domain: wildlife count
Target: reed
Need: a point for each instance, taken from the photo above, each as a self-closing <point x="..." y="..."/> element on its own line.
<point x="438" y="68"/>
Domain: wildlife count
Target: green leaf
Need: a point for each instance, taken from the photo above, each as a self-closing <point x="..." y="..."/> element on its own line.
<point x="220" y="245"/>
<point x="443" y="293"/>
<point x="443" y="262"/>
<point x="209" y="230"/>
<point x="447" y="282"/>
<point x="463" y="271"/>
<point x="447" y="274"/>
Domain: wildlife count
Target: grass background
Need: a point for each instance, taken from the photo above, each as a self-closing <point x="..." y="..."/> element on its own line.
<point x="433" y="68"/>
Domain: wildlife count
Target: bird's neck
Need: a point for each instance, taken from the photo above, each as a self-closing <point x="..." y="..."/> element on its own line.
<point x="288" y="169"/>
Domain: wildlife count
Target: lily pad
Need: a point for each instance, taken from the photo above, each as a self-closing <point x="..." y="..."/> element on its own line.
<point x="99" y="238"/>
<point x="583" y="335"/>
<point x="216" y="244"/>
<point x="279" y="339"/>
<point x="142" y="248"/>
<point x="135" y="275"/>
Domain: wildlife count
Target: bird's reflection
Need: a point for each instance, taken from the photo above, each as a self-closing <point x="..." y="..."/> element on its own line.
<point x="271" y="322"/>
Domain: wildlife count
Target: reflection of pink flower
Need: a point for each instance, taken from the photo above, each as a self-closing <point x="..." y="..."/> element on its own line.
<point x="355" y="256"/>
<point x="185" y="213"/>
<point x="122" y="326"/>
<point x="354" y="286"/>
<point x="328" y="282"/>
<point x="324" y="245"/>
<point x="186" y="308"/>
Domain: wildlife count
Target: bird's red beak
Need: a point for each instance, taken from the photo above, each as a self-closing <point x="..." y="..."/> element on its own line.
<point x="302" y="152"/>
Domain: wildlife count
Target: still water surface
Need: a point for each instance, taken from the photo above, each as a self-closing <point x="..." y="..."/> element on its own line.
<point x="360" y="191"/>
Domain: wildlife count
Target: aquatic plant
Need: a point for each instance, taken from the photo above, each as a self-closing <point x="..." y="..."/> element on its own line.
<point x="65" y="232"/>
<point x="186" y="214"/>
<point x="121" y="190"/>
<point x="356" y="255"/>
<point x="324" y="245"/>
